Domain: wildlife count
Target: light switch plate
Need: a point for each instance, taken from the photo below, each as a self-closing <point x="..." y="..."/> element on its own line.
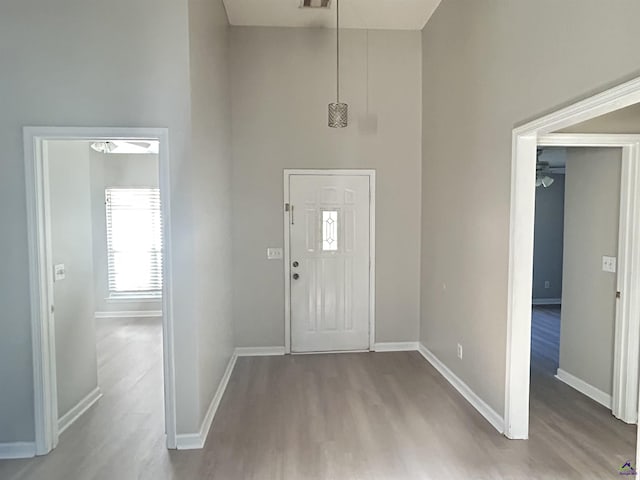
<point x="274" y="253"/>
<point x="59" y="272"/>
<point x="609" y="264"/>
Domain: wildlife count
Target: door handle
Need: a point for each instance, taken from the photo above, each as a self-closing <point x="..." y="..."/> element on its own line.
<point x="296" y="276"/>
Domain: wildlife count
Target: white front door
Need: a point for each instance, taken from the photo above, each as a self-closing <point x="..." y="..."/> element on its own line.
<point x="329" y="255"/>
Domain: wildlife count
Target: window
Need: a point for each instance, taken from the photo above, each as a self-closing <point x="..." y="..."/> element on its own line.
<point x="134" y="242"/>
<point x="329" y="230"/>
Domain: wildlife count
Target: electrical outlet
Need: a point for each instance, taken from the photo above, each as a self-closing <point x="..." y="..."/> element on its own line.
<point x="460" y="351"/>
<point x="547" y="284"/>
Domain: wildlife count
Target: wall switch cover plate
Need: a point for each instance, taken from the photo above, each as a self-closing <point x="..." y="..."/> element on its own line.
<point x="274" y="253"/>
<point x="609" y="264"/>
<point x="59" y="272"/>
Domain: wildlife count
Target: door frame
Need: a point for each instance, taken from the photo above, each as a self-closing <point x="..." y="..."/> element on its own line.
<point x="372" y="246"/>
<point x="41" y="272"/>
<point x="525" y="140"/>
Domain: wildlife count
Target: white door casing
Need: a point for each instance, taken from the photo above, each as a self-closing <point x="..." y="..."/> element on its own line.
<point x="328" y="256"/>
<point x="41" y="276"/>
<point x="525" y="142"/>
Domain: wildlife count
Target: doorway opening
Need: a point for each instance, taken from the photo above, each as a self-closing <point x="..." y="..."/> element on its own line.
<point x="526" y="140"/>
<point x="329" y="258"/>
<point x="575" y="353"/>
<point x="100" y="268"/>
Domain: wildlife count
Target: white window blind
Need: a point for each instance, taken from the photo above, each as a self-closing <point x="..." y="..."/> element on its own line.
<point x="134" y="241"/>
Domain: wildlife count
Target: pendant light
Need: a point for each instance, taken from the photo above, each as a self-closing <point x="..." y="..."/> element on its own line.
<point x="338" y="112"/>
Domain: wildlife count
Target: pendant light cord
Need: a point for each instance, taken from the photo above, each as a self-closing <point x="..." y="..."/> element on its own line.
<point x="338" y="51"/>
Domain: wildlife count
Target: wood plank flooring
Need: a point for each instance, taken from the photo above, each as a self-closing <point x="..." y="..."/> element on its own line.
<point x="545" y="340"/>
<point x="343" y="416"/>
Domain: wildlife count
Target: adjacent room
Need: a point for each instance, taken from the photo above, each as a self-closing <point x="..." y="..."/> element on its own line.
<point x="104" y="237"/>
<point x="319" y="239"/>
<point x="573" y="349"/>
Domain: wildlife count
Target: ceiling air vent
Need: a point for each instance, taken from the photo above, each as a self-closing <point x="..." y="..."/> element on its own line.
<point x="315" y="4"/>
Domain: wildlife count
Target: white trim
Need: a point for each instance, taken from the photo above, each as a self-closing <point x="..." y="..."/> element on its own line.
<point x="41" y="281"/>
<point x="10" y="451"/>
<point x="130" y="314"/>
<point x="583" y="140"/>
<point x="259" y="351"/>
<point x="66" y="420"/>
<point x="470" y="396"/>
<point x="608" y="101"/>
<point x="525" y="140"/>
<point x="395" y="346"/>
<point x="372" y="247"/>
<point x="627" y="321"/>
<point x="193" y="441"/>
<point x="372" y="257"/>
<point x="287" y="266"/>
<point x="44" y="376"/>
<point x="583" y="387"/>
<point x="546" y="301"/>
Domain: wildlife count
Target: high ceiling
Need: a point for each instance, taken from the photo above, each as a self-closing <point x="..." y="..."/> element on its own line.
<point x="368" y="14"/>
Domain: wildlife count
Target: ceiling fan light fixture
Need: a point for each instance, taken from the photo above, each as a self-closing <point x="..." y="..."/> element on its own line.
<point x="127" y="146"/>
<point x="103" y="147"/>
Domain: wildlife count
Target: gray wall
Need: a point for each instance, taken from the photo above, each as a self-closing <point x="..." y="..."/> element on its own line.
<point x="283" y="79"/>
<point x="592" y="209"/>
<point x="211" y="195"/>
<point x="488" y="66"/>
<point x="107" y="171"/>
<point x="547" y="250"/>
<point x="108" y="68"/>
<point x="72" y="245"/>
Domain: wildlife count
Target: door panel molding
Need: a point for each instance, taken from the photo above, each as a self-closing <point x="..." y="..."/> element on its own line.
<point x="287" y="219"/>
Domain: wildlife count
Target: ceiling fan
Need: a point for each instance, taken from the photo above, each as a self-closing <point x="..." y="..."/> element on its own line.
<point x="543" y="172"/>
<point x="119" y="146"/>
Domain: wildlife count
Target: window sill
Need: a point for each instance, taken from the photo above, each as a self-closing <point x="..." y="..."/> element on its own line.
<point x="133" y="298"/>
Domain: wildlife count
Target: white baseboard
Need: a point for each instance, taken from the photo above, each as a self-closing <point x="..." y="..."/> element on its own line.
<point x="395" y="347"/>
<point x="83" y="405"/>
<point x="480" y="405"/>
<point x="259" y="351"/>
<point x="10" y="451"/>
<point x="193" y="441"/>
<point x="131" y="314"/>
<point x="583" y="387"/>
<point x="546" y="301"/>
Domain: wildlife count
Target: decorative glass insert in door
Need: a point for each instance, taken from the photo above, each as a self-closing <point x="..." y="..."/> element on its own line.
<point x="329" y="230"/>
